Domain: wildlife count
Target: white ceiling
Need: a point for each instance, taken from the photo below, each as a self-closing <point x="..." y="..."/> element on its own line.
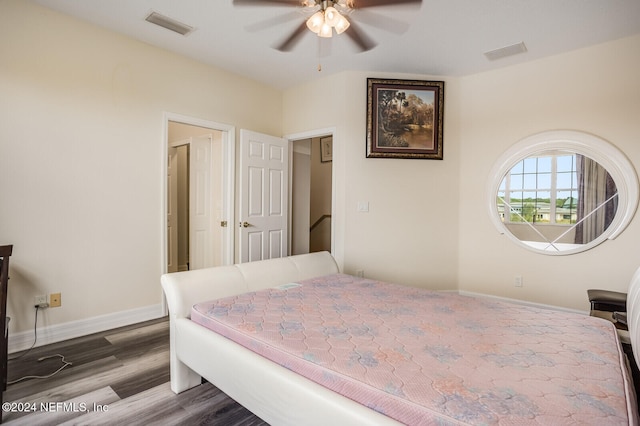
<point x="445" y="37"/>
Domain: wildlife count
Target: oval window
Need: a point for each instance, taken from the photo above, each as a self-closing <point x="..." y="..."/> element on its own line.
<point x="562" y="192"/>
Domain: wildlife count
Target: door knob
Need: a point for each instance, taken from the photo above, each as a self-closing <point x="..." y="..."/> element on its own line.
<point x="245" y="224"/>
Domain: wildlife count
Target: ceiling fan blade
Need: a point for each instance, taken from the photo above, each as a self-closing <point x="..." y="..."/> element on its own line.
<point x="267" y="3"/>
<point x="383" y="22"/>
<point x="361" y="4"/>
<point x="271" y="22"/>
<point x="359" y="37"/>
<point x="289" y="43"/>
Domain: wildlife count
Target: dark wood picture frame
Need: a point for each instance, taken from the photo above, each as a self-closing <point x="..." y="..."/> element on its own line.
<point x="405" y="118"/>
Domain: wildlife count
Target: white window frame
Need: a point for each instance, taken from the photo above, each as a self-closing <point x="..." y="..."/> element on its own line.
<point x="553" y="189"/>
<point x="607" y="155"/>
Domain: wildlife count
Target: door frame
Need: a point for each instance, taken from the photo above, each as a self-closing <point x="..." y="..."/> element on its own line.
<point x="309" y="135"/>
<point x="228" y="177"/>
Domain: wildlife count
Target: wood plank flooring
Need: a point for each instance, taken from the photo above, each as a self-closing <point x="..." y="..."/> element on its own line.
<point x="116" y="377"/>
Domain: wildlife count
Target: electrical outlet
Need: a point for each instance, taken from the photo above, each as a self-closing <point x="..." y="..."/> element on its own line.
<point x="55" y="300"/>
<point x="40" y="300"/>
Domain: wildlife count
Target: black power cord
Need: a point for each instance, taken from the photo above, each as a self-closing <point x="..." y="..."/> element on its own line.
<point x="35" y="336"/>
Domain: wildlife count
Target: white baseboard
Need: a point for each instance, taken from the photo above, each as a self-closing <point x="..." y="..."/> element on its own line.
<point x="58" y="332"/>
<point x="522" y="302"/>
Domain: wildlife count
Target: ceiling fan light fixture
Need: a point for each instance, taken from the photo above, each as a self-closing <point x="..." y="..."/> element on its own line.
<point x="326" y="31"/>
<point x="331" y="16"/>
<point x="316" y="22"/>
<point x="342" y="25"/>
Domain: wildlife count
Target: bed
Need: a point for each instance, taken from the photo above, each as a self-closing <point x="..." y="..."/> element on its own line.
<point x="489" y="362"/>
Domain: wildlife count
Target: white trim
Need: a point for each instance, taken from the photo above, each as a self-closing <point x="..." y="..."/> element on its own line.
<point x="229" y="182"/>
<point x="522" y="302"/>
<point x="311" y="134"/>
<point x="69" y="330"/>
<point x="610" y="157"/>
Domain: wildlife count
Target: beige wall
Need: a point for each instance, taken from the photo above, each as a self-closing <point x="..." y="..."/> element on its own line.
<point x="428" y="223"/>
<point x="594" y="90"/>
<point x="410" y="234"/>
<point x="81" y="154"/>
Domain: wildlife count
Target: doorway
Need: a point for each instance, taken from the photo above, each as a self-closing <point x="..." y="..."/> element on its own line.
<point x="312" y="194"/>
<point x="198" y="194"/>
<point x="227" y="219"/>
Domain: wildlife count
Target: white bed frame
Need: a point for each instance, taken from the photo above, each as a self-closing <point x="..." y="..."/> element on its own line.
<point x="273" y="393"/>
<point x="633" y="317"/>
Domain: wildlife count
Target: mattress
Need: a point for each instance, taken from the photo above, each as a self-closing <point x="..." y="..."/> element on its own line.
<point x="423" y="357"/>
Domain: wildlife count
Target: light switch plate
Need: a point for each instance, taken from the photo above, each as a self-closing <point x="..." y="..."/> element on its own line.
<point x="363" y="206"/>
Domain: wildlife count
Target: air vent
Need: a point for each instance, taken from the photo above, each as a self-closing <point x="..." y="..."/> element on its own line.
<point x="169" y="23"/>
<point x="503" y="52"/>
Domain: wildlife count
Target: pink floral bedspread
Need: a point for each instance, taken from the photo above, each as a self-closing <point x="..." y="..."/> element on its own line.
<point x="424" y="357"/>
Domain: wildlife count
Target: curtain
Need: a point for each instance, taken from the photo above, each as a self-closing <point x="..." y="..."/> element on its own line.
<point x="597" y="199"/>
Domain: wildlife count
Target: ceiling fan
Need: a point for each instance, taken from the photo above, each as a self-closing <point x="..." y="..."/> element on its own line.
<point x="326" y="17"/>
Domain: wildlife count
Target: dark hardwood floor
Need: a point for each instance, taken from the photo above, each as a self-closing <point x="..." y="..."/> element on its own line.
<point x="115" y="377"/>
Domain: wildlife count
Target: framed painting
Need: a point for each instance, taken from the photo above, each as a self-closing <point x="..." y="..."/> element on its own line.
<point x="326" y="149"/>
<point x="404" y="118"/>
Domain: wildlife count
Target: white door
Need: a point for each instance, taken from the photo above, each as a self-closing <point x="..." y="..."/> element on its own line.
<point x="201" y="239"/>
<point x="264" y="187"/>
<point x="172" y="216"/>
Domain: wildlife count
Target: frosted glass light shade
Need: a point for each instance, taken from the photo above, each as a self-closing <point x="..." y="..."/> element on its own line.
<point x="326" y="31"/>
<point x="331" y="16"/>
<point x="342" y="25"/>
<point x="316" y="22"/>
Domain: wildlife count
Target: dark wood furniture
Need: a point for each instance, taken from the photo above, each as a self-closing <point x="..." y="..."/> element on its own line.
<point x="607" y="300"/>
<point x="5" y="253"/>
